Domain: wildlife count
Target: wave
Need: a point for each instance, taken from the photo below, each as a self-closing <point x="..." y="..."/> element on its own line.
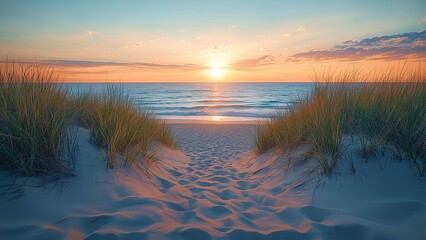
<point x="221" y="106"/>
<point x="189" y="99"/>
<point x="219" y="101"/>
<point x="223" y="114"/>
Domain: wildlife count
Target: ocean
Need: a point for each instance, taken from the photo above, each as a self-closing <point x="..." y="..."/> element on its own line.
<point x="208" y="100"/>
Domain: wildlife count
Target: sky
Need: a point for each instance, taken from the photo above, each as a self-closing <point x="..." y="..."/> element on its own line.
<point x="223" y="40"/>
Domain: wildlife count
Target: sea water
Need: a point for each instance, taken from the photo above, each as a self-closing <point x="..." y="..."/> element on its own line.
<point x="201" y="100"/>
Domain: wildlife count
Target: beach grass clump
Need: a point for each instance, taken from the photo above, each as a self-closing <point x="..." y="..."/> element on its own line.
<point x="34" y="121"/>
<point x="120" y="126"/>
<point x="387" y="110"/>
<point x="40" y="120"/>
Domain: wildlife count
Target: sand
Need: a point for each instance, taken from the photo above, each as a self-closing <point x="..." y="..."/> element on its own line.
<point x="215" y="187"/>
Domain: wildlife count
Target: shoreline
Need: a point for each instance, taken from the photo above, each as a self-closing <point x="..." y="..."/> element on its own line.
<point x="214" y="120"/>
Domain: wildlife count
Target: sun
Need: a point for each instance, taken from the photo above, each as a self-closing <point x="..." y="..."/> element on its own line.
<point x="216" y="72"/>
<point x="216" y="118"/>
<point x="216" y="69"/>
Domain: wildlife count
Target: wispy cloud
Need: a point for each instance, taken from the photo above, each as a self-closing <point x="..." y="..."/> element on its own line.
<point x="421" y="20"/>
<point x="301" y="30"/>
<point x="254" y="63"/>
<point x="88" y="33"/>
<point x="296" y="33"/>
<point x="139" y="44"/>
<point x="83" y="36"/>
<point x="78" y="37"/>
<point x="88" y="64"/>
<point x="386" y="47"/>
<point x="217" y="48"/>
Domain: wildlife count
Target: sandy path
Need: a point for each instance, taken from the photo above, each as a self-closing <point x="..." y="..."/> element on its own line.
<point x="198" y="194"/>
<point x="229" y="204"/>
<point x="230" y="200"/>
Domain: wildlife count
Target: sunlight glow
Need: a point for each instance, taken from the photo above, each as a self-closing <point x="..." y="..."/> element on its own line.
<point x="216" y="118"/>
<point x="217" y="69"/>
<point x="216" y="72"/>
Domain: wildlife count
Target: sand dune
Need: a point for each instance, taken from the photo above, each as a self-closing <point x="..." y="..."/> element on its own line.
<point x="216" y="188"/>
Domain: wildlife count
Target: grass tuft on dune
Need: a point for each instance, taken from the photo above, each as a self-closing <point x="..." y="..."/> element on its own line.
<point x="388" y="112"/>
<point x="34" y="121"/>
<point x="118" y="125"/>
<point x="38" y="122"/>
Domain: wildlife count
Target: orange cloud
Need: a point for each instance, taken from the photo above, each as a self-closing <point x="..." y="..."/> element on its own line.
<point x="386" y="47"/>
<point x="421" y="20"/>
<point x="254" y="63"/>
<point x="89" y="64"/>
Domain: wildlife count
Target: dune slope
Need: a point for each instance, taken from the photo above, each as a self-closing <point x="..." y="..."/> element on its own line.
<point x="216" y="188"/>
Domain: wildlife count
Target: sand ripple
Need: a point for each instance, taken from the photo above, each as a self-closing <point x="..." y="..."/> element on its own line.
<point x="206" y="192"/>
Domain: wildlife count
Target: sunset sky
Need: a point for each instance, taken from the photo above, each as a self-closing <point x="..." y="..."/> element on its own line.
<point x="211" y="40"/>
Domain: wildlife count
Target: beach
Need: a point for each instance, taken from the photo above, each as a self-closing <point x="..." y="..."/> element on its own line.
<point x="215" y="187"/>
<point x="213" y="120"/>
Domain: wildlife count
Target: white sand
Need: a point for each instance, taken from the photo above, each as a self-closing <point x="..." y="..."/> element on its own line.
<point x="215" y="188"/>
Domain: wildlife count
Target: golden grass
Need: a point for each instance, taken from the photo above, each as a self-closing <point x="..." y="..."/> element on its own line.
<point x="38" y="119"/>
<point x="118" y="125"/>
<point x="34" y="121"/>
<point x="389" y="111"/>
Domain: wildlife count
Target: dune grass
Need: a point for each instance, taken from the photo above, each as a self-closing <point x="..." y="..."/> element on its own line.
<point x="118" y="125"/>
<point x="34" y="121"/>
<point x="38" y="119"/>
<point x="389" y="111"/>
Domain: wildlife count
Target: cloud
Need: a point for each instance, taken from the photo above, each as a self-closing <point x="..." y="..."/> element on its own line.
<point x="288" y="35"/>
<point x="386" y="47"/>
<point x="202" y="37"/>
<point x="77" y="63"/>
<point x="83" y="36"/>
<point x="78" y="37"/>
<point x="73" y="71"/>
<point x="302" y="30"/>
<point x="219" y="47"/>
<point x="245" y="64"/>
<point x="88" y="34"/>
<point x="296" y="33"/>
<point x="254" y="63"/>
<point x="88" y="64"/>
<point x="137" y="45"/>
<point x="421" y="20"/>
